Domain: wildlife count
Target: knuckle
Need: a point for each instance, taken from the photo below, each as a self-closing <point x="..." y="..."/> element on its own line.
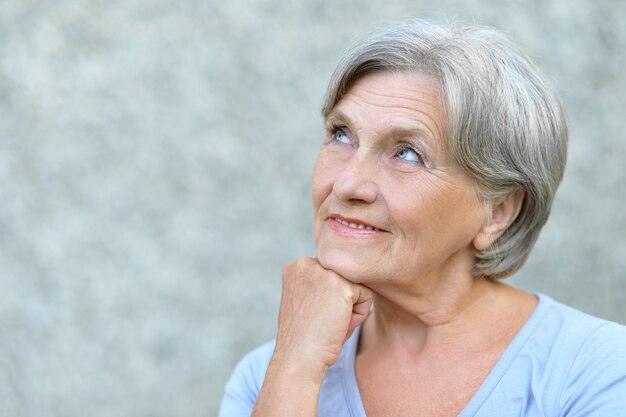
<point x="289" y="266"/>
<point x="348" y="293"/>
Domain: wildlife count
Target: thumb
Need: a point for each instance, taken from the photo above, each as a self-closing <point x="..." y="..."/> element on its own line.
<point x="363" y="298"/>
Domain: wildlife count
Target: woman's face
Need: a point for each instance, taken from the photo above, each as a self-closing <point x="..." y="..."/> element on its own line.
<point x="390" y="204"/>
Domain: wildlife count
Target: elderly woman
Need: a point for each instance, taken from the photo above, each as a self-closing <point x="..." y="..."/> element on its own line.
<point x="444" y="148"/>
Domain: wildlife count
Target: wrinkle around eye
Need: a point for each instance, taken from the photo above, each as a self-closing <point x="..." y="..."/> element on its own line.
<point x="427" y="119"/>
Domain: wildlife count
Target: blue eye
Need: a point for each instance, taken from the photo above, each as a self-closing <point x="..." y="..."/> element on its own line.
<point x="340" y="136"/>
<point x="409" y="154"/>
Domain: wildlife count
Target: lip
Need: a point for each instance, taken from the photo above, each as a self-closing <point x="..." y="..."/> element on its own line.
<point x="368" y="229"/>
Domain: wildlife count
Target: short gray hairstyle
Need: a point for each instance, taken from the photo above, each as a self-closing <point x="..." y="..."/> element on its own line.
<point x="506" y="128"/>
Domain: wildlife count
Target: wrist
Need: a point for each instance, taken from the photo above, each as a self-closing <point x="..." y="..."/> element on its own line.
<point x="297" y="368"/>
<point x="302" y="385"/>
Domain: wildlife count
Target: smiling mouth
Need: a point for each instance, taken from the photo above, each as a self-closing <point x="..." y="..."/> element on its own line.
<point x="357" y="226"/>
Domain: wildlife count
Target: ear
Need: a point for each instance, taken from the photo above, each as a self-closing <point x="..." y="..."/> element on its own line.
<point x="502" y="214"/>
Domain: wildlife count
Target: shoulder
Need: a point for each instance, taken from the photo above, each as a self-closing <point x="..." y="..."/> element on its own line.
<point x="563" y="363"/>
<point x="570" y="329"/>
<point x="579" y="338"/>
<point x="591" y="353"/>
<point x="596" y="379"/>
<point x="245" y="382"/>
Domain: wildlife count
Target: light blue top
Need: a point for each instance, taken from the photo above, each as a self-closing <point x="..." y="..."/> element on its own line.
<point x="561" y="363"/>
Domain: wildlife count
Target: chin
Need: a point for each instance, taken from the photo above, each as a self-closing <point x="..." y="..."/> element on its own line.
<point x="346" y="265"/>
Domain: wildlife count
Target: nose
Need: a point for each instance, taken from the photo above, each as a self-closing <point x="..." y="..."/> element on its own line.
<point x="356" y="182"/>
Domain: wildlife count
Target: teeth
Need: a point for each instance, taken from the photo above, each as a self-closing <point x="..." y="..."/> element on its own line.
<point x="355" y="225"/>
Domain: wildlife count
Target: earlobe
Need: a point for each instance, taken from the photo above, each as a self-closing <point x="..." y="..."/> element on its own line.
<point x="502" y="214"/>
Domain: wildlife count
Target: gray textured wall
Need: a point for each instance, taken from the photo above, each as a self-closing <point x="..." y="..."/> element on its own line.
<point x="154" y="176"/>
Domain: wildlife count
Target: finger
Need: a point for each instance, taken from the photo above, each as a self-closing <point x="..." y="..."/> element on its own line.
<point x="362" y="298"/>
<point x="359" y="314"/>
<point x="361" y="308"/>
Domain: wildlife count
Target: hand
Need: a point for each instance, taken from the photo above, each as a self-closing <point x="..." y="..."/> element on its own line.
<point x="319" y="310"/>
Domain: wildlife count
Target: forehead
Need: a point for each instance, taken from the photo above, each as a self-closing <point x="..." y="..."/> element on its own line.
<point x="398" y="101"/>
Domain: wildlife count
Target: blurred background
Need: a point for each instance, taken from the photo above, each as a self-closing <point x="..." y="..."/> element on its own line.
<point x="155" y="161"/>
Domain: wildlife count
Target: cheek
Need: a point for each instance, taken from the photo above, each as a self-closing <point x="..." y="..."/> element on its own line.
<point x="430" y="213"/>
<point x="322" y="186"/>
<point x="325" y="171"/>
<point x="409" y="203"/>
<point x="464" y="210"/>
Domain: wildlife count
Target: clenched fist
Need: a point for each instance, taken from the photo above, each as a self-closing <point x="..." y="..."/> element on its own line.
<point x="319" y="310"/>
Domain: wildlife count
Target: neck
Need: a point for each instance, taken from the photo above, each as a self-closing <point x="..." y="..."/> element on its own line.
<point x="445" y="314"/>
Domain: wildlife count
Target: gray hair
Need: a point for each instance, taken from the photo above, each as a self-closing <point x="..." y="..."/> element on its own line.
<point x="506" y="128"/>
